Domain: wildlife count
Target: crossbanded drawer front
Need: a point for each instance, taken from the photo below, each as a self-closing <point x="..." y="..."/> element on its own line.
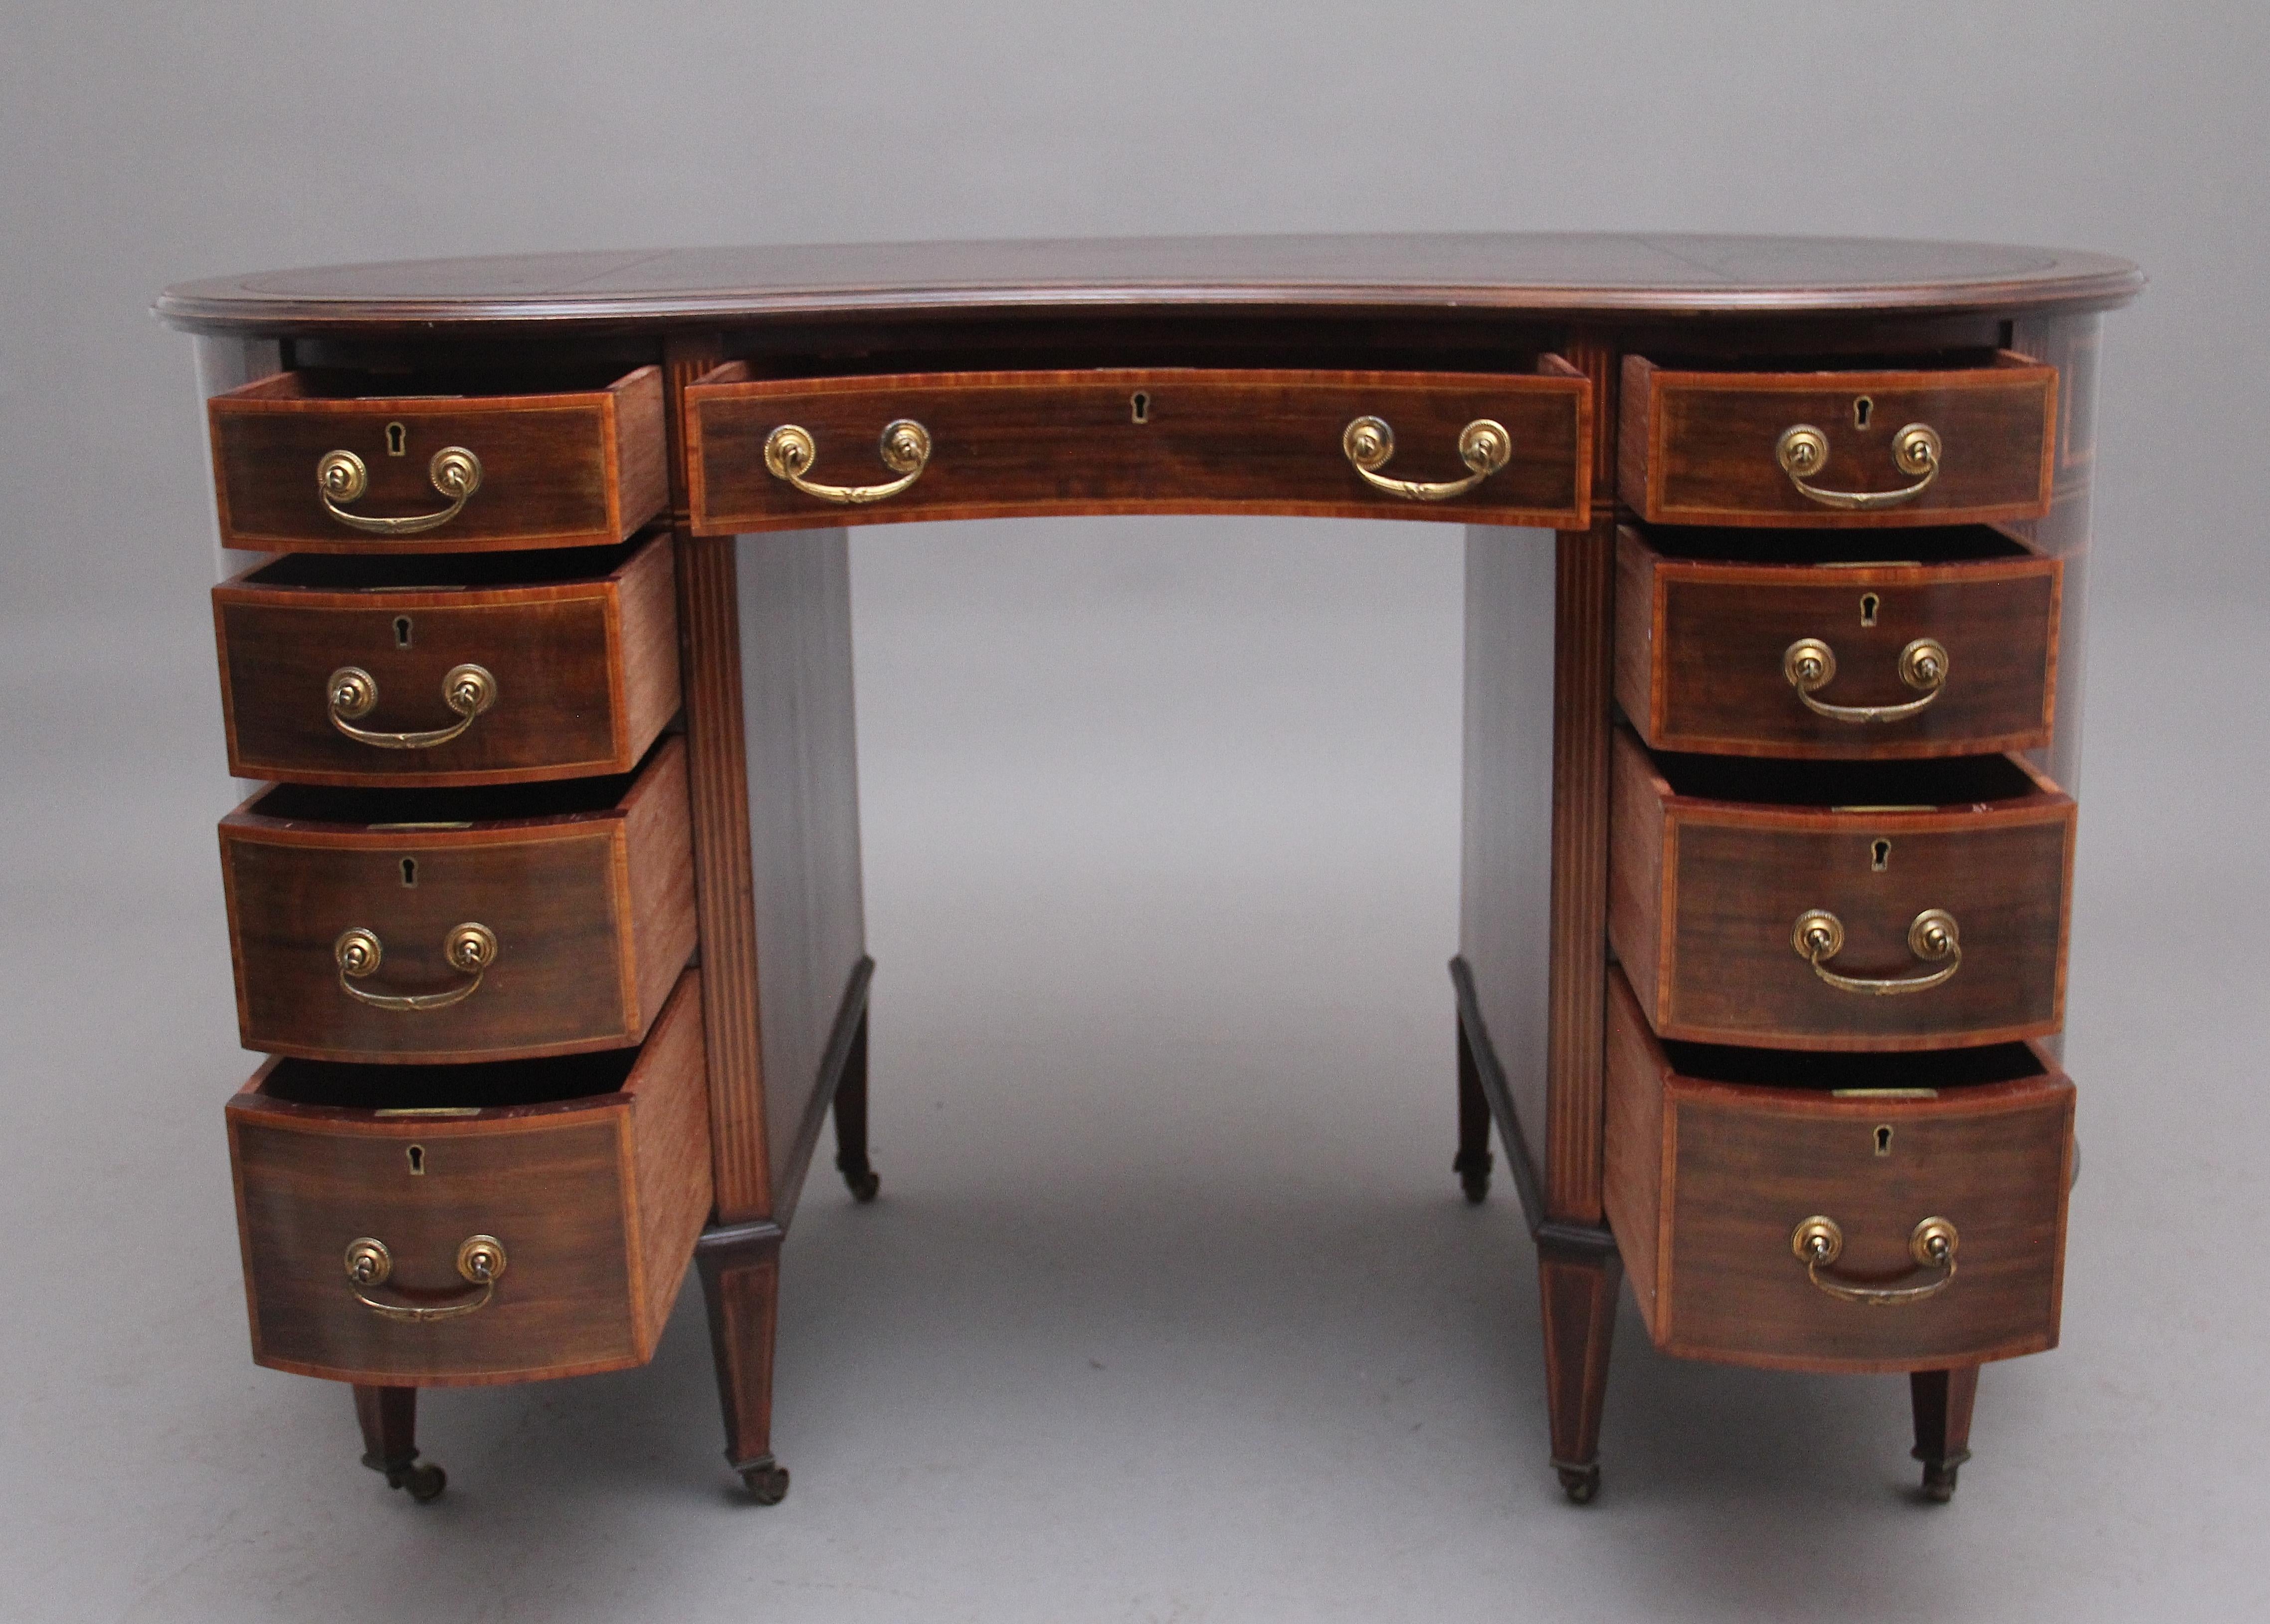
<point x="1955" y="445"/>
<point x="1837" y="1212"/>
<point x="448" y="670"/>
<point x="1840" y="905"/>
<point x="539" y="919"/>
<point x="1492" y="449"/>
<point x="1934" y="642"/>
<point x="346" y="462"/>
<point x="476" y="1223"/>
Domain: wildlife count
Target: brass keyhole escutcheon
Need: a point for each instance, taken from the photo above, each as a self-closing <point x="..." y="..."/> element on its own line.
<point x="1862" y="409"/>
<point x="416" y="1156"/>
<point x="1138" y="405"/>
<point x="1884" y="1140"/>
<point x="402" y="631"/>
<point x="1880" y="857"/>
<point x="398" y="440"/>
<point x="1869" y="605"/>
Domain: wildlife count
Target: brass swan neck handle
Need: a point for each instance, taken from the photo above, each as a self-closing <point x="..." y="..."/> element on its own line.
<point x="471" y="948"/>
<point x="1803" y="451"/>
<point x="341" y="476"/>
<point x="351" y="693"/>
<point x="1933" y="936"/>
<point x="1810" y="665"/>
<point x="1484" y="446"/>
<point x="480" y="1260"/>
<point x="1818" y="1242"/>
<point x="790" y="451"/>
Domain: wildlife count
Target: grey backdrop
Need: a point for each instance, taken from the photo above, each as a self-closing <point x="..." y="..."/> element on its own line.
<point x="1170" y="1310"/>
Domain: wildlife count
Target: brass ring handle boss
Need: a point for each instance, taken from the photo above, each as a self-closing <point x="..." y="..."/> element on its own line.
<point x="1809" y="665"/>
<point x="1818" y="1242"/>
<point x="351" y="693"/>
<point x="1803" y="451"/>
<point x="1484" y="446"/>
<point x="790" y="451"/>
<point x="471" y="948"/>
<point x="1932" y="937"/>
<point x="341" y="477"/>
<point x="480" y="1260"/>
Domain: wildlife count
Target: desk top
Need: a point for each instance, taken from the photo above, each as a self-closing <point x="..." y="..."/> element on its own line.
<point x="1558" y="275"/>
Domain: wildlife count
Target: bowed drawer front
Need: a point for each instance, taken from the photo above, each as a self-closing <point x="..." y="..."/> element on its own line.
<point x="1475" y="447"/>
<point x="1963" y="445"/>
<point x="460" y="925"/>
<point x="423" y="671"/>
<point x="1801" y="905"/>
<point x="1863" y="1213"/>
<point x="520" y="1220"/>
<point x="1728" y="642"/>
<point x="322" y="461"/>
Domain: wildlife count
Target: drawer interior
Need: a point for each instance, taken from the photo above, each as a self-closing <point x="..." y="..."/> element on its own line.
<point x="1935" y="1070"/>
<point x="435" y="381"/>
<point x="483" y="1085"/>
<point x="441" y="572"/>
<point x="1957" y="544"/>
<point x="1830" y="363"/>
<point x="476" y="804"/>
<point x="1871" y="786"/>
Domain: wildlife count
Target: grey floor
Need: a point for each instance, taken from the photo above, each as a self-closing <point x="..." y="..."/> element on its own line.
<point x="1170" y="1310"/>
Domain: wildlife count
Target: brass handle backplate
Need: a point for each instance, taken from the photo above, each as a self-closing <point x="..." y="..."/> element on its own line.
<point x="480" y="1259"/>
<point x="1810" y="665"/>
<point x="352" y="692"/>
<point x="1933" y="936"/>
<point x="1484" y="446"/>
<point x="1803" y="451"/>
<point x="789" y="453"/>
<point x="1818" y="1242"/>
<point x="469" y="948"/>
<point x="341" y="477"/>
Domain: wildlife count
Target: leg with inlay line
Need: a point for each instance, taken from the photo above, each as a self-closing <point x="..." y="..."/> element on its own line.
<point x="740" y="1281"/>
<point x="388" y="1418"/>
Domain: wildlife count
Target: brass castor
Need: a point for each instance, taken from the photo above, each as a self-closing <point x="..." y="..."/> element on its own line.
<point x="425" y="1481"/>
<point x="1579" y="1483"/>
<point x="1939" y="1480"/>
<point x="767" y="1481"/>
<point x="864" y="1185"/>
<point x="1473" y="1171"/>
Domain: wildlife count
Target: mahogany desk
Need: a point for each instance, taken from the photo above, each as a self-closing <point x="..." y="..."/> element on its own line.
<point x="550" y="914"/>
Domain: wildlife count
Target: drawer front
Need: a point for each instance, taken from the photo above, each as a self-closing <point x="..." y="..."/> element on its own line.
<point x="589" y="921"/>
<point x="1140" y="440"/>
<point x="1704" y="655"/>
<point x="365" y="686"/>
<point x="567" y="469"/>
<point x="1706" y="448"/>
<point x="595" y="1203"/>
<point x="1706" y="901"/>
<point x="1709" y="1182"/>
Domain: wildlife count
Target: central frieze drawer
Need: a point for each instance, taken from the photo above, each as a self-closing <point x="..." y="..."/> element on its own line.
<point x="464" y="669"/>
<point x="460" y="925"/>
<point x="1837" y="1211"/>
<point x="407" y="1224"/>
<point x="1839" y="905"/>
<point x="768" y="453"/>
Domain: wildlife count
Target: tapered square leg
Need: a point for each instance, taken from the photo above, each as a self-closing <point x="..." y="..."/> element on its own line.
<point x="851" y="1120"/>
<point x="388" y="1418"/>
<point x="740" y="1281"/>
<point x="1943" y="1400"/>
<point x="1473" y="1165"/>
<point x="1578" y="1285"/>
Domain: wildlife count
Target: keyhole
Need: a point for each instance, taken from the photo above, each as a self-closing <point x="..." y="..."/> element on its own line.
<point x="416" y="1156"/>
<point x="1884" y="1139"/>
<point x="397" y="439"/>
<point x="1869" y="604"/>
<point x="1880" y="857"/>
<point x="402" y="631"/>
<point x="1141" y="404"/>
<point x="410" y="869"/>
<point x="1861" y="408"/>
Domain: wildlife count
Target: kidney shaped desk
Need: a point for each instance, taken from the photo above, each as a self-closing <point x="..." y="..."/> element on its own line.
<point x="535" y="631"/>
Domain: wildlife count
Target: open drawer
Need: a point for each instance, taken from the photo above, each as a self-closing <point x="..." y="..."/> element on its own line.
<point x="417" y="925"/>
<point x="1837" y="1211"/>
<point x="448" y="669"/>
<point x="1961" y="443"/>
<point x="325" y="460"/>
<point x="1482" y="449"/>
<point x="414" y="1226"/>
